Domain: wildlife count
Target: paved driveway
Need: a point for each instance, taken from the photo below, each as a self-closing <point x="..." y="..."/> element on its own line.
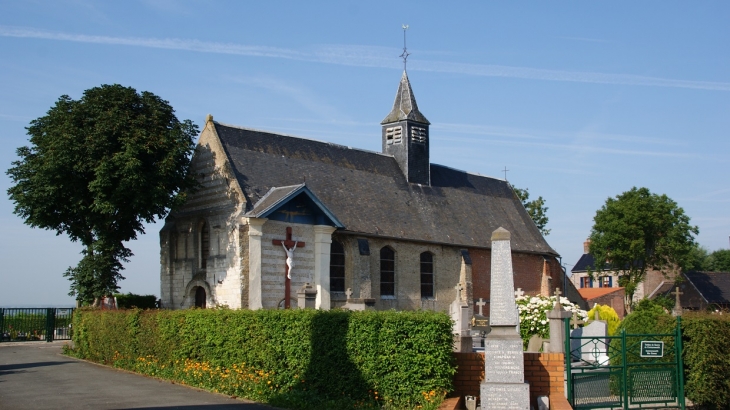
<point x="34" y="375"/>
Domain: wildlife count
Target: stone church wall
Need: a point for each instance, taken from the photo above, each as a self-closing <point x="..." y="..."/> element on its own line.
<point x="214" y="202"/>
<point x="273" y="261"/>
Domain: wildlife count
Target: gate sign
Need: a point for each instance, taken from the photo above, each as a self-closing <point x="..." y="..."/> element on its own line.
<point x="652" y="349"/>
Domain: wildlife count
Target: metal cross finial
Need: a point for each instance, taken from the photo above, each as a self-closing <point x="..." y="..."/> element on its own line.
<point x="505" y="173"/>
<point x="405" y="54"/>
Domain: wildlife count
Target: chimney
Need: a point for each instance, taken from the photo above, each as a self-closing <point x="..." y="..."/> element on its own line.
<point x="586" y="246"/>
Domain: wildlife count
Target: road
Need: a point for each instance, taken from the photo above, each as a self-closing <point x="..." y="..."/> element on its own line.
<point x="35" y="375"/>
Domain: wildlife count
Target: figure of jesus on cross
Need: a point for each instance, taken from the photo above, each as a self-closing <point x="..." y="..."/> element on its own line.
<point x="289" y="247"/>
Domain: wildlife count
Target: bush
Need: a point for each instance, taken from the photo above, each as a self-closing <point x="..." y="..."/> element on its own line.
<point x="706" y="362"/>
<point x="131" y="301"/>
<point x="302" y="359"/>
<point x="607" y="314"/>
<point x="533" y="315"/>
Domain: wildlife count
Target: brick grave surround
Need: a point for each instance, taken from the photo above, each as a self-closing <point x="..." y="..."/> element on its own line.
<point x="544" y="371"/>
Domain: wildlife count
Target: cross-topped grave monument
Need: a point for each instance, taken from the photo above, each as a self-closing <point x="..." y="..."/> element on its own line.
<point x="289" y="247"/>
<point x="504" y="385"/>
<point x="677" y="311"/>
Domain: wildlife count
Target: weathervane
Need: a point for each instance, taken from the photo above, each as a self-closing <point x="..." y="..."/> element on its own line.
<point x="405" y="54"/>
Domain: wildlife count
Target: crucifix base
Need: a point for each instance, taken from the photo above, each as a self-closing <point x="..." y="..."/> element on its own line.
<point x="307" y="297"/>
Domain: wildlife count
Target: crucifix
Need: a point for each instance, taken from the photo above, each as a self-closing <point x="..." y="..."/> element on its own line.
<point x="289" y="247"/>
<point x="481" y="304"/>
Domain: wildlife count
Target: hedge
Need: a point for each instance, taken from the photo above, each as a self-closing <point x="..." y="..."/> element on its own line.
<point x="705" y="339"/>
<point x="131" y="300"/>
<point x="302" y="359"/>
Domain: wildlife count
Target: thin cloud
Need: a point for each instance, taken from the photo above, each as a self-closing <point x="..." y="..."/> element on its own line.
<point x="302" y="96"/>
<point x="367" y="56"/>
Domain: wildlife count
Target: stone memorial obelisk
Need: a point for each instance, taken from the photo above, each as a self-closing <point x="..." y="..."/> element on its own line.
<point x="504" y="386"/>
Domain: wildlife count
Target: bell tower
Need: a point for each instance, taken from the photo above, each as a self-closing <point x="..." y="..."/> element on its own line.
<point x="406" y="135"/>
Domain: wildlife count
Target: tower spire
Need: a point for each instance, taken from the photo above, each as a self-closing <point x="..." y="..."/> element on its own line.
<point x="405" y="53"/>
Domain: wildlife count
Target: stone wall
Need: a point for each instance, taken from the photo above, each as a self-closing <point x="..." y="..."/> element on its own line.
<point x="544" y="371"/>
<point x="361" y="268"/>
<point x="273" y="262"/>
<point x="215" y="202"/>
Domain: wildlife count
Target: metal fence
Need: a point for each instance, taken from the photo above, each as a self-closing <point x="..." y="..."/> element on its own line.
<point x="27" y="324"/>
<point x="625" y="371"/>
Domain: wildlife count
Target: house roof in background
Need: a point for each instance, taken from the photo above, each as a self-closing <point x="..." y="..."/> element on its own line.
<point x="593" y="293"/>
<point x="714" y="286"/>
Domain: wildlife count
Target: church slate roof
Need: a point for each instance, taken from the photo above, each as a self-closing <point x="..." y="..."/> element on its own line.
<point x="405" y="107"/>
<point x="369" y="194"/>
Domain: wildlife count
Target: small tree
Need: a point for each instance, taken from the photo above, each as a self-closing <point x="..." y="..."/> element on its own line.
<point x="637" y="231"/>
<point x="98" y="168"/>
<point x="535" y="208"/>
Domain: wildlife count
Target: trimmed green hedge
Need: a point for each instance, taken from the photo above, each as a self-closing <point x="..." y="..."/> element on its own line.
<point x="303" y="359"/>
<point x="706" y="338"/>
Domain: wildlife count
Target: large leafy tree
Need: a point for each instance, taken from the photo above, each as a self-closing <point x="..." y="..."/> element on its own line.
<point x="639" y="230"/>
<point x="96" y="169"/>
<point x="535" y="208"/>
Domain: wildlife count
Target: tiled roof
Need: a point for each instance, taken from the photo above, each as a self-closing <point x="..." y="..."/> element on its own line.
<point x="592" y="293"/>
<point x="583" y="263"/>
<point x="369" y="194"/>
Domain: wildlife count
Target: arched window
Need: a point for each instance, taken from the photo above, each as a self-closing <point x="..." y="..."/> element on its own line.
<point x="337" y="267"/>
<point x="426" y="275"/>
<point x="204" y="245"/>
<point x="387" y="272"/>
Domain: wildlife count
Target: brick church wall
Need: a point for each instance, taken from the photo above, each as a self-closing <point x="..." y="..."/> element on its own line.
<point x="527" y="273"/>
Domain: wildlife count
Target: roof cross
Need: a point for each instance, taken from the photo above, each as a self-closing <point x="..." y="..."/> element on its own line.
<point x="405" y="54"/>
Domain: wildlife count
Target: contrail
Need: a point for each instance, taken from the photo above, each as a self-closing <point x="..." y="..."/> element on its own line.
<point x="366" y="56"/>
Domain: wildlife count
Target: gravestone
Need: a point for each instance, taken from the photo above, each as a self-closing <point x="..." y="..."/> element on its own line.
<point x="593" y="344"/>
<point x="557" y="325"/>
<point x="504" y="385"/>
<point x="462" y="324"/>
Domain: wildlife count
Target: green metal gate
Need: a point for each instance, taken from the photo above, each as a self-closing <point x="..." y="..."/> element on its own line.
<point x="626" y="371"/>
<point x="28" y="324"/>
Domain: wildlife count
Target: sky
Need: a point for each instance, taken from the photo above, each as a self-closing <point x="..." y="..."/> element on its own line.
<point x="579" y="101"/>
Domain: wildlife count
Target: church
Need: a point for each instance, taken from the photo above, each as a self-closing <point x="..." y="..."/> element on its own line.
<point x="362" y="230"/>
